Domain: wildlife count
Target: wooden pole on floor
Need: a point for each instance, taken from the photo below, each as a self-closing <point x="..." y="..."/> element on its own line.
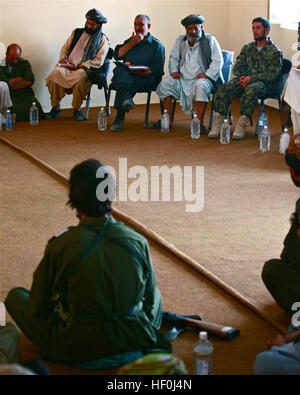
<point x="156" y="238"/>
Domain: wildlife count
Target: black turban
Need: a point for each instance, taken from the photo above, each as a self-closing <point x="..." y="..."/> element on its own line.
<point x="198" y="19"/>
<point x="95" y="15"/>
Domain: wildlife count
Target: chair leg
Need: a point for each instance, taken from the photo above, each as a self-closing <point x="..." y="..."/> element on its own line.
<point x="108" y="112"/>
<point x="147" y="110"/>
<point x="173" y="110"/>
<point x="161" y="107"/>
<point x="108" y="100"/>
<point x="230" y="117"/>
<point x="87" y="105"/>
<point x="279" y="104"/>
<point x="261" y="107"/>
<point x="212" y="111"/>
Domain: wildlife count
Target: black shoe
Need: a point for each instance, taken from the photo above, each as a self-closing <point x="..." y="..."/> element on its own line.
<point x="128" y="105"/>
<point x="157" y="125"/>
<point x="53" y="113"/>
<point x="78" y="116"/>
<point x="117" y="126"/>
<point x="203" y="130"/>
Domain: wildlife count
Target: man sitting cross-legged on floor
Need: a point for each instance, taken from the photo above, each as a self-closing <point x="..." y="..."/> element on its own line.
<point x="94" y="300"/>
<point x="282" y="278"/>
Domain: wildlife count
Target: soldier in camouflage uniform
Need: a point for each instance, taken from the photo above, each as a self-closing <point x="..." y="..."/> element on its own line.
<point x="257" y="68"/>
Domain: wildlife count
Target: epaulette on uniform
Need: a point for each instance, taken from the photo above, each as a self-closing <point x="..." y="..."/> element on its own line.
<point x="58" y="234"/>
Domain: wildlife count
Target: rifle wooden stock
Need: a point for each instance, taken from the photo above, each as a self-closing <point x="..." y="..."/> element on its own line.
<point x="225" y="332"/>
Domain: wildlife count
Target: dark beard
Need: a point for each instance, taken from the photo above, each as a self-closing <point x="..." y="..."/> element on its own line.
<point x="261" y="38"/>
<point x="90" y="31"/>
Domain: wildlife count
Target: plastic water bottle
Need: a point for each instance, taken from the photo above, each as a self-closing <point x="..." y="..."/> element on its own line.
<point x="195" y="127"/>
<point x="34" y="114"/>
<point x="0" y="121"/>
<point x="9" y="122"/>
<point x="102" y="120"/>
<point x="284" y="141"/>
<point x="265" y="140"/>
<point x="203" y="355"/>
<point x="262" y="122"/>
<point x="165" y="122"/>
<point x="225" y="133"/>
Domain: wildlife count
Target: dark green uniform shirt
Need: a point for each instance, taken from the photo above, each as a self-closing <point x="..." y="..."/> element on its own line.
<point x="263" y="65"/>
<point x="107" y="283"/>
<point x="22" y="99"/>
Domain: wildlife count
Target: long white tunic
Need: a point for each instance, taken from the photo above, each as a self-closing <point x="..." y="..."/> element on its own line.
<point x="292" y="97"/>
<point x="189" y="88"/>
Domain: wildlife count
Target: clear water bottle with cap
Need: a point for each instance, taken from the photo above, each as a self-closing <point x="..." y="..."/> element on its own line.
<point x="284" y="141"/>
<point x="34" y="114"/>
<point x="195" y="127"/>
<point x="9" y="122"/>
<point x="225" y="133"/>
<point x="203" y="355"/>
<point x="265" y="140"/>
<point x="165" y="122"/>
<point x="262" y="122"/>
<point x="102" y="119"/>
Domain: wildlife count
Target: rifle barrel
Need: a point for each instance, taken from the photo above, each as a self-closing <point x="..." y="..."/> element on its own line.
<point x="225" y="332"/>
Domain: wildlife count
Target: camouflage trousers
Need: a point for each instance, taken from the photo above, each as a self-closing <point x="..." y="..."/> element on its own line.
<point x="249" y="96"/>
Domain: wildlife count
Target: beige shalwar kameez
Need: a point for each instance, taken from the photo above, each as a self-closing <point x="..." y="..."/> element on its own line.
<point x="61" y="80"/>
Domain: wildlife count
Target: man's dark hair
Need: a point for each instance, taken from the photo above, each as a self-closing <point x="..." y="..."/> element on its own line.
<point x="83" y="189"/>
<point x="143" y="16"/>
<point x="264" y="22"/>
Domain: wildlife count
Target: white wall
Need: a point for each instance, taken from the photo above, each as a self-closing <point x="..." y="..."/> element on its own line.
<point x="242" y="12"/>
<point x="42" y="26"/>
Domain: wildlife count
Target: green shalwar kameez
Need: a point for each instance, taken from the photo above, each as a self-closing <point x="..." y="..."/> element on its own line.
<point x="110" y="304"/>
<point x="22" y="99"/>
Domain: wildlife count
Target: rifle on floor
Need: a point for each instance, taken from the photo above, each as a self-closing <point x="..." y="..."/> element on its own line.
<point x="182" y="322"/>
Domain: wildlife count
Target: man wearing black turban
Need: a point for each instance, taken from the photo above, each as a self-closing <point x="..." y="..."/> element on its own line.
<point x="86" y="47"/>
<point x="195" y="69"/>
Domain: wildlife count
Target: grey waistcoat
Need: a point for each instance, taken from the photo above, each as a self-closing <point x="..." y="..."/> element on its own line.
<point x="204" y="55"/>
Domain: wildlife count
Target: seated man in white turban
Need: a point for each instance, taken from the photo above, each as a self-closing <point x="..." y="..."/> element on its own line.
<point x="195" y="70"/>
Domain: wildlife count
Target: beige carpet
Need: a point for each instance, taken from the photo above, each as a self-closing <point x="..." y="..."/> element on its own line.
<point x="248" y="201"/>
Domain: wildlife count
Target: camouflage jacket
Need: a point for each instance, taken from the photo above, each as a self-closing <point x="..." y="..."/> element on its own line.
<point x="263" y="65"/>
